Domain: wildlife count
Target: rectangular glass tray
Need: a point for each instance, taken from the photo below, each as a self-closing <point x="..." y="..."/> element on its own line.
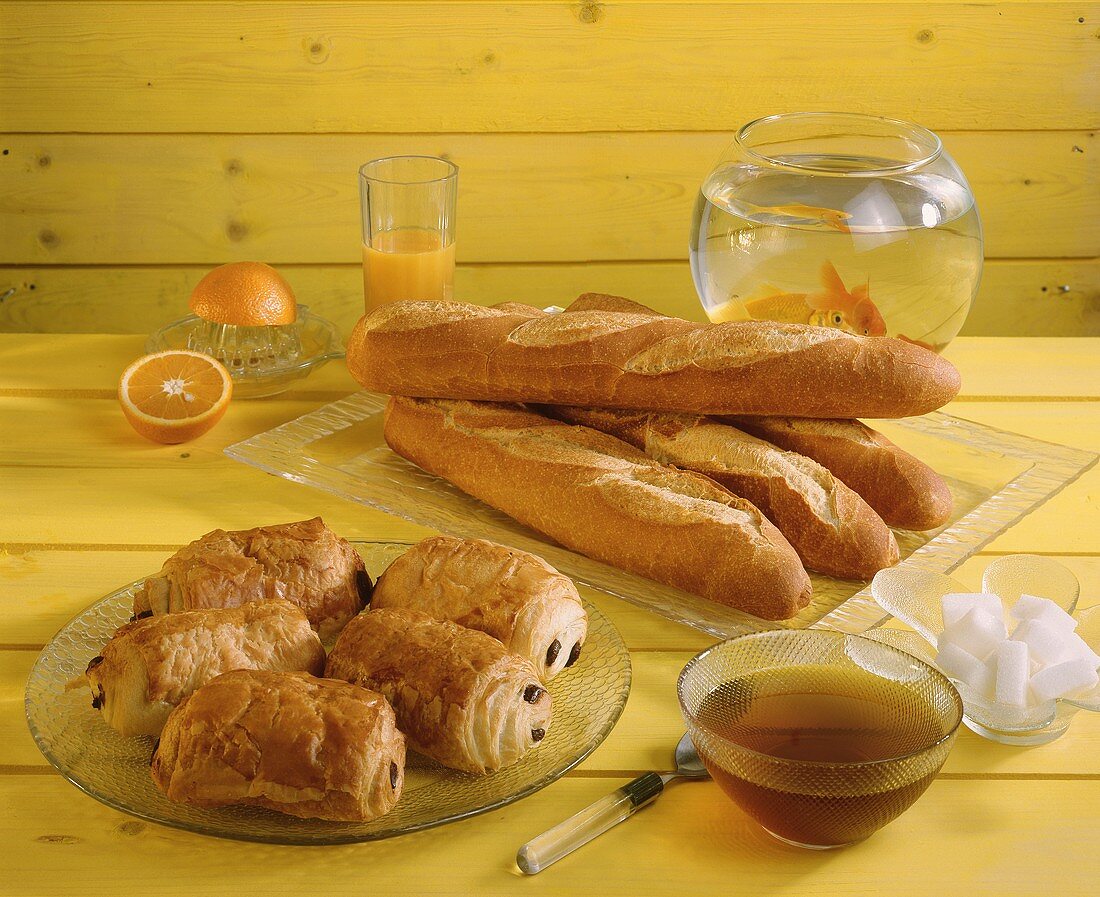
<point x="995" y="476"/>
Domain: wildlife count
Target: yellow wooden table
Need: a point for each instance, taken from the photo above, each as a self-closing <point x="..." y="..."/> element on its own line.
<point x="85" y="506"/>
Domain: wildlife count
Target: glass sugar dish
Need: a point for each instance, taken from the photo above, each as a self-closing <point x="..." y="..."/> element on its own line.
<point x="839" y="220"/>
<point x="263" y="361"/>
<point x="915" y="597"/>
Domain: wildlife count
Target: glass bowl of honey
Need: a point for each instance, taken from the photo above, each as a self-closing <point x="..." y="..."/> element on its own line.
<point x="821" y="737"/>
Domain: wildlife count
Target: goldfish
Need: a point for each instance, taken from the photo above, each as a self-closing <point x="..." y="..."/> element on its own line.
<point x="833" y="306"/>
<point x="916" y="342"/>
<point x="829" y="217"/>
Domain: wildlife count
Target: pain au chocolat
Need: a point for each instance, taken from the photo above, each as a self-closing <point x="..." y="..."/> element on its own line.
<point x="512" y="595"/>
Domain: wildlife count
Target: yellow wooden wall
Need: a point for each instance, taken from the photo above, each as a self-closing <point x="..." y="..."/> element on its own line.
<point x="143" y="143"/>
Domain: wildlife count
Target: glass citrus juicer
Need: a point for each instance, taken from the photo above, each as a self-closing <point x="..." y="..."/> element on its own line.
<point x="851" y="221"/>
<point x="245" y="315"/>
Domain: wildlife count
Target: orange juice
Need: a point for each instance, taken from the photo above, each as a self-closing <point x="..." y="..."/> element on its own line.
<point x="407" y="263"/>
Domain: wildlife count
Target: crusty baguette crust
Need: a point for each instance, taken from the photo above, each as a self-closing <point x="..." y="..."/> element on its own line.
<point x="605" y="499"/>
<point x="625" y="360"/>
<point x="607" y="302"/>
<point x="832" y="529"/>
<point x="905" y="491"/>
<point x="314" y="748"/>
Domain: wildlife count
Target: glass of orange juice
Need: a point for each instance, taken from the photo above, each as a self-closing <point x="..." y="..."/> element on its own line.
<point x="408" y="208"/>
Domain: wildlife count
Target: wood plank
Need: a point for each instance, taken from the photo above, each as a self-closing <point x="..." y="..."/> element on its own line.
<point x="648" y="729"/>
<point x="90" y="433"/>
<point x="1018" y="297"/>
<point x="106" y="506"/>
<point x="1024" y="368"/>
<point x="1034" y="368"/>
<point x="1033" y="298"/>
<point x="140" y="299"/>
<point x="971" y="834"/>
<point x="45" y="587"/>
<point x="154" y="199"/>
<point x="298" y="67"/>
<point x="115" y="505"/>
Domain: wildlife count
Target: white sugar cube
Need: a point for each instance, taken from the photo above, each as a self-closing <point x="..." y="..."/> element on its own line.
<point x="1045" y="644"/>
<point x="1027" y="607"/>
<point x="1063" y="679"/>
<point x="1076" y="648"/>
<point x="1030" y="607"/>
<point x="958" y="604"/>
<point x="957" y="663"/>
<point x="964" y="666"/>
<point x="977" y="633"/>
<point x="1013" y="671"/>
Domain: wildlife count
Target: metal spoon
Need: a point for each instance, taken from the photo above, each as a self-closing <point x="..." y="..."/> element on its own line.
<point x="597" y="818"/>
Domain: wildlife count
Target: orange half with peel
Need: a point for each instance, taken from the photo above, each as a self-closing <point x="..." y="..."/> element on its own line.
<point x="171" y="397"/>
<point x="245" y="294"/>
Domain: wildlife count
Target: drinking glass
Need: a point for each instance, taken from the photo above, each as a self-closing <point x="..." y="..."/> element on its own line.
<point x="408" y="211"/>
<point x="839" y="220"/>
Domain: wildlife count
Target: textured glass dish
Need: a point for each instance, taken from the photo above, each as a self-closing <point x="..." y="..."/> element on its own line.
<point x="914" y="597"/>
<point x="821" y="737"/>
<point x="996" y="478"/>
<point x="263" y="361"/>
<point x="588" y="700"/>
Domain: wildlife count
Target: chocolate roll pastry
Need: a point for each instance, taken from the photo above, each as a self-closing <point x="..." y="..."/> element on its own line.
<point x="514" y="596"/>
<point x="313" y="748"/>
<point x="152" y="664"/>
<point x="305" y="563"/>
<point x="459" y="695"/>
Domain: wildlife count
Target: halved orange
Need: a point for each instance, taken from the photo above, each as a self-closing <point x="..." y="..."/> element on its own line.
<point x="174" y="396"/>
<point x="248" y="294"/>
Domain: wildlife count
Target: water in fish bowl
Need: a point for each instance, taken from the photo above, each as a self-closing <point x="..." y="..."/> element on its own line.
<point x="887" y="255"/>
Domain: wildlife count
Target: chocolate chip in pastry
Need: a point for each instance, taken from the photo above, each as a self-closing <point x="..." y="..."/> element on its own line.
<point x="459" y="695"/>
<point x="152" y="664"/>
<point x="305" y="563"/>
<point x="514" y="596"/>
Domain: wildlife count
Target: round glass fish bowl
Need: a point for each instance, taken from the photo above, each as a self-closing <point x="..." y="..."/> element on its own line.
<point x="839" y="220"/>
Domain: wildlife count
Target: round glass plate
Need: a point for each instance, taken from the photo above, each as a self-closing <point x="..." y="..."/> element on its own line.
<point x="588" y="699"/>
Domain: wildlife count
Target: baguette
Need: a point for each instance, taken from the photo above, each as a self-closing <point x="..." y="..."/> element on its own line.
<point x="605" y="499"/>
<point x="905" y="491"/>
<point x="607" y="302"/>
<point x="832" y="529"/>
<point x="626" y="360"/>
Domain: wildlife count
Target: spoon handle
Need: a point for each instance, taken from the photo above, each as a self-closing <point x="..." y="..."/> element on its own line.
<point x="593" y="820"/>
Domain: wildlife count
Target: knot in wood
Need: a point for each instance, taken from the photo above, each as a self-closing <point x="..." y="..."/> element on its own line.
<point x="236" y="231"/>
<point x="590" y="13"/>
